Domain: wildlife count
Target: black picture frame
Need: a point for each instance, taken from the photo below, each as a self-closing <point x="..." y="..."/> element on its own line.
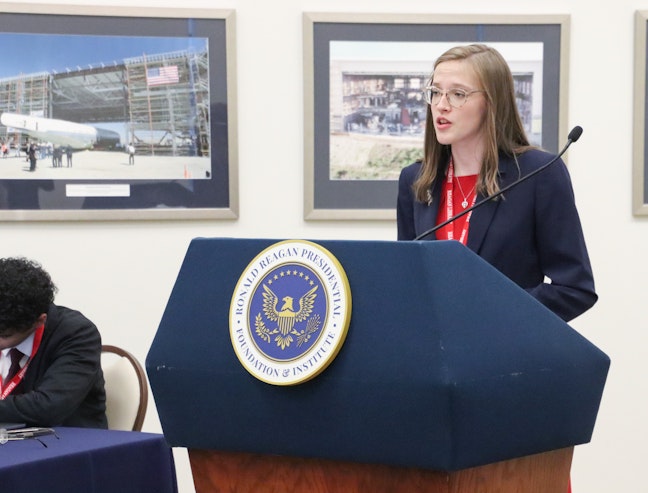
<point x="367" y="199"/>
<point x="209" y="193"/>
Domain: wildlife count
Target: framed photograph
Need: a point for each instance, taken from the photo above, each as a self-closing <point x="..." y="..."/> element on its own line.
<point x="640" y="151"/>
<point x="117" y="113"/>
<point x="364" y="113"/>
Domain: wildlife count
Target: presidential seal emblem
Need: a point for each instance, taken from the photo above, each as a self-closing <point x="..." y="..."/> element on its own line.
<point x="290" y="312"/>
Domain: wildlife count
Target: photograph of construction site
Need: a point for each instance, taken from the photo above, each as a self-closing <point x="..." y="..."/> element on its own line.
<point x="97" y="107"/>
<point x="377" y="110"/>
<point x="117" y="113"/>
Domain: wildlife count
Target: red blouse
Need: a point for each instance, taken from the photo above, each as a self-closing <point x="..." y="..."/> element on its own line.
<point x="460" y="185"/>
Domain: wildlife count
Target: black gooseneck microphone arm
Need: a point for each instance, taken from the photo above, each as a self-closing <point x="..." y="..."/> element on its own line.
<point x="573" y="136"/>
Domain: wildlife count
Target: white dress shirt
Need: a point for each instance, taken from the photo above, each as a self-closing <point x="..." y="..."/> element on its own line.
<point x="24" y="347"/>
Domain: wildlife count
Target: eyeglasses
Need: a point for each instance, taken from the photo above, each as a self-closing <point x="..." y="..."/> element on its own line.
<point x="456" y="97"/>
<point x="25" y="433"/>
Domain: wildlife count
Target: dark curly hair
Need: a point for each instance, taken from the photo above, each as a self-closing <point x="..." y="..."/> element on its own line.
<point x="26" y="292"/>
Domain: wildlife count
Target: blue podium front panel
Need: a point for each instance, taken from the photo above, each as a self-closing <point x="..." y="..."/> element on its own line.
<point x="446" y="365"/>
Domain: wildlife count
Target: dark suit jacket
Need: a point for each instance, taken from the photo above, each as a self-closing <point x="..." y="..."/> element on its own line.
<point x="530" y="232"/>
<point x="64" y="384"/>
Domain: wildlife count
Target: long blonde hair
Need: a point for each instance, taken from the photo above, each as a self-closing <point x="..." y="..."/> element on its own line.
<point x="503" y="127"/>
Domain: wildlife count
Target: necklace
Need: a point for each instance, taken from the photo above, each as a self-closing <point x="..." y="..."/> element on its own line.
<point x="464" y="202"/>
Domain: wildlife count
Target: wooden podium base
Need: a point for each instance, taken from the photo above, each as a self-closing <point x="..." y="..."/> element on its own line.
<point x="226" y="472"/>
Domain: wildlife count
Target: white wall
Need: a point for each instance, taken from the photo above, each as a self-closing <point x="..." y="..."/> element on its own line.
<point x="120" y="274"/>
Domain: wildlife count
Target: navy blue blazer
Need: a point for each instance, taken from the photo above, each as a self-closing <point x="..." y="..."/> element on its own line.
<point x="64" y="384"/>
<point x="531" y="231"/>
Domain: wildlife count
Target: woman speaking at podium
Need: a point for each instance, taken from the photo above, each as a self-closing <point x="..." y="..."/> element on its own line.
<point x="475" y="147"/>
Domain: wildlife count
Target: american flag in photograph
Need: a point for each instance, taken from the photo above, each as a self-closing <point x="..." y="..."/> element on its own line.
<point x="162" y="75"/>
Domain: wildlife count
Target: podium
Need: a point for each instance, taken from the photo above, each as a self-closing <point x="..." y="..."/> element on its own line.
<point x="451" y="379"/>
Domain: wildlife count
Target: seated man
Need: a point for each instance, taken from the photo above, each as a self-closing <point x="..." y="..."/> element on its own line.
<point x="56" y="378"/>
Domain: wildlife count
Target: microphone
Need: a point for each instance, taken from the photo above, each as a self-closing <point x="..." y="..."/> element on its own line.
<point x="573" y="136"/>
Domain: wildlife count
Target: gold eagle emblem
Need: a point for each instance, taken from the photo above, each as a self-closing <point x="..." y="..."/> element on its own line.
<point x="286" y="317"/>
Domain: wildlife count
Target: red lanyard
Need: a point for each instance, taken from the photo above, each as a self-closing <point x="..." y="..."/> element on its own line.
<point x="463" y="237"/>
<point x="5" y="390"/>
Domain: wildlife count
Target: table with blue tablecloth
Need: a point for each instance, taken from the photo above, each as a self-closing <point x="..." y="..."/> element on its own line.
<point x="82" y="460"/>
